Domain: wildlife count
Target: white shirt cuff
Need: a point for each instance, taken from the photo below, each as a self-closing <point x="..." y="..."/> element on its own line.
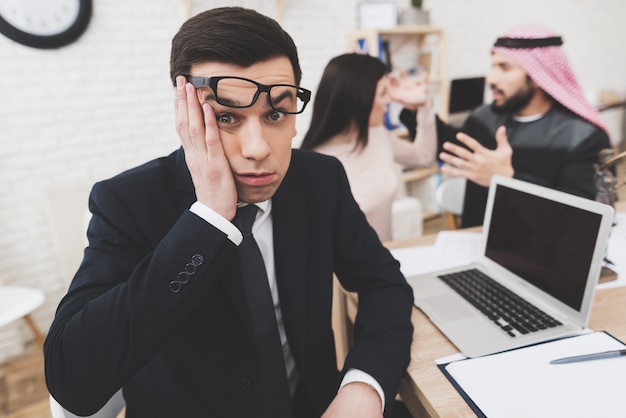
<point x="356" y="375"/>
<point x="218" y="221"/>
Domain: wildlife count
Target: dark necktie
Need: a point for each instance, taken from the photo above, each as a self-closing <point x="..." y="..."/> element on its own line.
<point x="272" y="397"/>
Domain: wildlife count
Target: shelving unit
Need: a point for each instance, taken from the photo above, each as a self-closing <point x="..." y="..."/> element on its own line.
<point x="410" y="48"/>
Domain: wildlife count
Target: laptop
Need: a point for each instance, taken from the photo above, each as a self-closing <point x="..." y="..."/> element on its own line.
<point x="538" y="244"/>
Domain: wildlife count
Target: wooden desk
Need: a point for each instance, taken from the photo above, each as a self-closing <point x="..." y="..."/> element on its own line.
<point x="426" y="391"/>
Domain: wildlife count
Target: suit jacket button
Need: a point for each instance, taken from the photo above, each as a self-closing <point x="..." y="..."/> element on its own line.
<point x="197" y="260"/>
<point x="246" y="385"/>
<point x="175" y="286"/>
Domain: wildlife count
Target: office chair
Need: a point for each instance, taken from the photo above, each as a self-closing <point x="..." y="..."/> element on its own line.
<point x="407" y="220"/>
<point x="68" y="216"/>
<point x="449" y="196"/>
<point x="19" y="302"/>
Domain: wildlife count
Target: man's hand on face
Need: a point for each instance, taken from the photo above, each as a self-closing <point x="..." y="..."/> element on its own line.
<point x="200" y="137"/>
<point x="478" y="164"/>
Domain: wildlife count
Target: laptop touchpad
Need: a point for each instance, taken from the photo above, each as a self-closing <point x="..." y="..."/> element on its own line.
<point x="448" y="307"/>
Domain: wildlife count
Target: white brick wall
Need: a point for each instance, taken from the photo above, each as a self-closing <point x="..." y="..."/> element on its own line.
<point x="83" y="112"/>
<point x="104" y="104"/>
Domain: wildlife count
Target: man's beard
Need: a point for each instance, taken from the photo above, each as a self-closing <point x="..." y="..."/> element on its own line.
<point x="516" y="102"/>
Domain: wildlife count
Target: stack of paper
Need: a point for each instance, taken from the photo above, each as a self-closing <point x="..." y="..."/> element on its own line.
<point x="452" y="249"/>
<point x="522" y="383"/>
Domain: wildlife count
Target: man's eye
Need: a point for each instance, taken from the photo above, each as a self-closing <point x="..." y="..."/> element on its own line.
<point x="225" y="118"/>
<point x="276" y="115"/>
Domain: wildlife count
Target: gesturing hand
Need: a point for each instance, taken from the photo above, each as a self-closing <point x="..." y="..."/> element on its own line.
<point x="410" y="94"/>
<point x="478" y="163"/>
<point x="200" y="137"/>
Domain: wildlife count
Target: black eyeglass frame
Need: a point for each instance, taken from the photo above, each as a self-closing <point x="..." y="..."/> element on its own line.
<point x="211" y="82"/>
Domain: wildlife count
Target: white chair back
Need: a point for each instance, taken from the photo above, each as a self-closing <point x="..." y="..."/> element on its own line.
<point x="450" y="195"/>
<point x="66" y="209"/>
<point x="407" y="219"/>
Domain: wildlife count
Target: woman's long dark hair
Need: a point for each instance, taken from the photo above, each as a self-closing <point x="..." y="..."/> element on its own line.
<point x="344" y="99"/>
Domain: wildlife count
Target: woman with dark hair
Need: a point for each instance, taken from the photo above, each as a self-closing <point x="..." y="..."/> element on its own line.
<point x="348" y="123"/>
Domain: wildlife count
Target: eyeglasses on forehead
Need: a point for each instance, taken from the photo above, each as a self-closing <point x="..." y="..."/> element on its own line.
<point x="239" y="92"/>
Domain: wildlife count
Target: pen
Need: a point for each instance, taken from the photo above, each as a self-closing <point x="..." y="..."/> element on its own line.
<point x="592" y="356"/>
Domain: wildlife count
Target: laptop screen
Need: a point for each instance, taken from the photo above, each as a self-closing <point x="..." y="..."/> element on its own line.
<point x="547" y="243"/>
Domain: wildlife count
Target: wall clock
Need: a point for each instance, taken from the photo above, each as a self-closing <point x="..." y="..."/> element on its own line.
<point x="44" y="23"/>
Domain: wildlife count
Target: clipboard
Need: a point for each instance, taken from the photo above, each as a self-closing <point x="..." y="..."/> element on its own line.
<point x="523" y="383"/>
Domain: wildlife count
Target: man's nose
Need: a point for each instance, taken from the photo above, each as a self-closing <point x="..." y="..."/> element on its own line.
<point x="491" y="78"/>
<point x="253" y="143"/>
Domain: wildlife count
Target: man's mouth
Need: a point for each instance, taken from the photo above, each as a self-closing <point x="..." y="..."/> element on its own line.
<point x="256" y="179"/>
<point x="496" y="93"/>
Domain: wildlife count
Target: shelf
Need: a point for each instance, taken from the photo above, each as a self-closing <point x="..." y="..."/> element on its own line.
<point x="409" y="48"/>
<point x="404" y="30"/>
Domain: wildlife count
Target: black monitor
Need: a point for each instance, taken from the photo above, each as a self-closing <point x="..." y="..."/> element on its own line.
<point x="466" y="94"/>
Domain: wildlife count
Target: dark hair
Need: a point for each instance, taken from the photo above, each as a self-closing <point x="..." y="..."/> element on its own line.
<point x="231" y="35"/>
<point x="344" y="99"/>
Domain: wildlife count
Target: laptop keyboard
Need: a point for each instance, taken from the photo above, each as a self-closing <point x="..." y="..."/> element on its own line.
<point x="511" y="313"/>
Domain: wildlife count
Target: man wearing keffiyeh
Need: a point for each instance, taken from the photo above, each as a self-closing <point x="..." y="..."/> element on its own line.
<point x="539" y="127"/>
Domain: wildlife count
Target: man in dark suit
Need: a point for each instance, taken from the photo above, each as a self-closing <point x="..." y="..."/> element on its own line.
<point x="161" y="305"/>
